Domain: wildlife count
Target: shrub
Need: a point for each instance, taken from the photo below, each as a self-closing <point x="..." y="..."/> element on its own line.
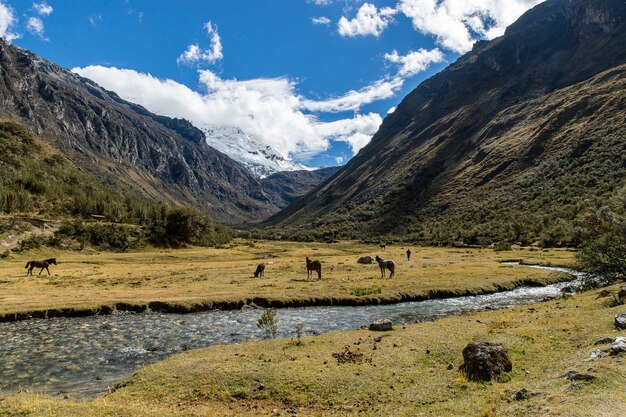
<point x="267" y="323"/>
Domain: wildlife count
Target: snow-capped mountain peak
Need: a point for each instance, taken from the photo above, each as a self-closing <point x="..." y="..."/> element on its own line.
<point x="260" y="159"/>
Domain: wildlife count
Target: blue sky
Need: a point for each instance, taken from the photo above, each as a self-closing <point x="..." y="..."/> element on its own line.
<point x="311" y="78"/>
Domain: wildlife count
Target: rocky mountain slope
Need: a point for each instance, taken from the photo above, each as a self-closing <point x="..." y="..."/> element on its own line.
<point x="125" y="146"/>
<point x="514" y="141"/>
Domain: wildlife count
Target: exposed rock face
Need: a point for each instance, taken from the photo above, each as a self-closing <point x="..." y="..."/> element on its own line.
<point x="491" y="131"/>
<point x="127" y="147"/>
<point x="484" y="361"/>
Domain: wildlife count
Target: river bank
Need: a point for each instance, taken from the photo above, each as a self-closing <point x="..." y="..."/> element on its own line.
<point x="201" y="279"/>
<point x="412" y="370"/>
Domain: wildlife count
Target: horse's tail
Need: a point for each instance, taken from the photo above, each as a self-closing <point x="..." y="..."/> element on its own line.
<point x="27" y="263"/>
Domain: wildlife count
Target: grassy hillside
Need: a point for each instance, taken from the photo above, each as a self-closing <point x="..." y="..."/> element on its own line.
<point x="37" y="180"/>
<point x="538" y="168"/>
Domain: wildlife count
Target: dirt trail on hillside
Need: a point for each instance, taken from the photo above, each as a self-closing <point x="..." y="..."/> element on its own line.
<point x="39" y="228"/>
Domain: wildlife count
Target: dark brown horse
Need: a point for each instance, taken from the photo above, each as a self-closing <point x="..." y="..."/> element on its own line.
<point x="40" y="264"/>
<point x="260" y="269"/>
<point x="313" y="266"/>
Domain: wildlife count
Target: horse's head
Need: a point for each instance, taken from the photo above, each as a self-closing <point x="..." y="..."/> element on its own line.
<point x="378" y="258"/>
<point x="52" y="261"/>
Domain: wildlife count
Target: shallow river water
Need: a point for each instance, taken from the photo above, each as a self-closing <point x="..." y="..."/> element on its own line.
<point x="83" y="357"/>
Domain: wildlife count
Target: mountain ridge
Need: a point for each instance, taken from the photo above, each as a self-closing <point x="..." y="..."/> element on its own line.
<point x="423" y="148"/>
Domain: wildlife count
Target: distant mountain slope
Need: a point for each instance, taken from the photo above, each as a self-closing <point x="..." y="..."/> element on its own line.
<point x="125" y="146"/>
<point x="513" y="141"/>
<point x="290" y="185"/>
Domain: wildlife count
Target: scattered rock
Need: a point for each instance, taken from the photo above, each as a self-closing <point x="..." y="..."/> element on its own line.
<point x="366" y="260"/>
<point x="484" y="360"/>
<point x="595" y="355"/>
<point x="381" y="325"/>
<point x="621" y="295"/>
<point x="568" y="290"/>
<point x="620" y="321"/>
<point x="577" y="376"/>
<point x="523" y="394"/>
<point x="450" y="366"/>
<point x="603" y="294"/>
<point x="618" y="346"/>
<point x="604" y="341"/>
<point x="347" y="356"/>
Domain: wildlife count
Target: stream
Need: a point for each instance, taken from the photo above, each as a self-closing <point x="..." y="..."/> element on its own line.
<point x="84" y="357"/>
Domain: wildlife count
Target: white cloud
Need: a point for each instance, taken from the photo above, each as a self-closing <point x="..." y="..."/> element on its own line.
<point x="354" y="100"/>
<point x="457" y="24"/>
<point x="269" y="109"/>
<point x="43" y="8"/>
<point x="368" y="21"/>
<point x="35" y="26"/>
<point x="7" y="20"/>
<point x="322" y="2"/>
<point x="339" y="160"/>
<point x="415" y="61"/>
<point x="195" y="55"/>
<point x="322" y="20"/>
<point x="95" y="19"/>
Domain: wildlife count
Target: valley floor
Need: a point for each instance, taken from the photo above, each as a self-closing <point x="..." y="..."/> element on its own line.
<point x="412" y="370"/>
<point x="90" y="282"/>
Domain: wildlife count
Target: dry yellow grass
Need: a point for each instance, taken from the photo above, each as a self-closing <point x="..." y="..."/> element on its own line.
<point x="404" y="373"/>
<point x="196" y="275"/>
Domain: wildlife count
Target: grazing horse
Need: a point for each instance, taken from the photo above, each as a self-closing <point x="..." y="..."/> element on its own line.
<point x="383" y="264"/>
<point x="382" y="246"/>
<point x="40" y="264"/>
<point x="313" y="266"/>
<point x="260" y="269"/>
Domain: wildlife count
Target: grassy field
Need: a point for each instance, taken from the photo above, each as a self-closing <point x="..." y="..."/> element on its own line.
<point x="404" y="372"/>
<point x="90" y="279"/>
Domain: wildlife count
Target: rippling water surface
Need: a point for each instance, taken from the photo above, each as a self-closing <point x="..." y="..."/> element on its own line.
<point x="85" y="356"/>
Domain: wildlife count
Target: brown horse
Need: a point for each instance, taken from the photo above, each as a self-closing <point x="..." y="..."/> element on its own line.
<point x="383" y="246"/>
<point x="40" y="264"/>
<point x="313" y="266"/>
<point x="260" y="269"/>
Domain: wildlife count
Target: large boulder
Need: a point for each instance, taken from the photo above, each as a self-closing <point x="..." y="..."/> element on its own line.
<point x="620" y="321"/>
<point x="484" y="360"/>
<point x="366" y="260"/>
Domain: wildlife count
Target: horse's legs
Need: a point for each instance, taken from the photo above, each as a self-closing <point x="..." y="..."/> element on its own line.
<point x="48" y="270"/>
<point x="40" y="271"/>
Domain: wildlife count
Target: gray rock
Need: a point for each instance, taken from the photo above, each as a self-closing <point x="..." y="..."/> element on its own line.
<point x="381" y="325"/>
<point x="618" y="346"/>
<point x="577" y="376"/>
<point x="595" y="355"/>
<point x="604" y="341"/>
<point x="484" y="360"/>
<point x="366" y="260"/>
<point x="603" y="294"/>
<point x="523" y="394"/>
<point x="620" y="321"/>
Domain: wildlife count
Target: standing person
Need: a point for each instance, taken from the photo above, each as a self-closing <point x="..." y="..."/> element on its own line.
<point x="408" y="254"/>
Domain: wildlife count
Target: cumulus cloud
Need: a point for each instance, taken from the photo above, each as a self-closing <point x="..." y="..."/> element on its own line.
<point x="270" y="109"/>
<point x="43" y="8"/>
<point x="35" y="26"/>
<point x="7" y="21"/>
<point x="415" y="61"/>
<point x="457" y="24"/>
<point x="322" y="20"/>
<point x="368" y="21"/>
<point x="194" y="54"/>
